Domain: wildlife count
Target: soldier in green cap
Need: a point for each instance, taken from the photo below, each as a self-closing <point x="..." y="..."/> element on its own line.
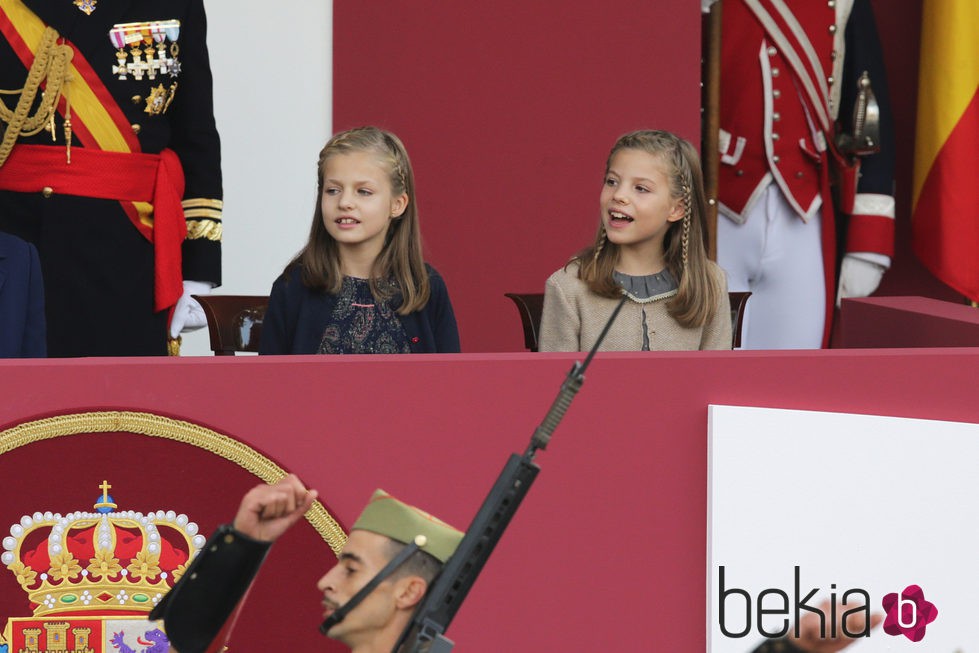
<point x="385" y="530"/>
<point x="392" y="555"/>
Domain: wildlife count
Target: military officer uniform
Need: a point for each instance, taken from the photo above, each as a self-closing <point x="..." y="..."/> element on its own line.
<point x="789" y="80"/>
<point x="110" y="163"/>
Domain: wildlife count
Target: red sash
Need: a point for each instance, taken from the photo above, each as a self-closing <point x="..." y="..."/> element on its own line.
<point x="154" y="178"/>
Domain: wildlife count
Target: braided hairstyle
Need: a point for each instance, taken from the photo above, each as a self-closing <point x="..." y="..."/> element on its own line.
<point x="399" y="269"/>
<point x="685" y="242"/>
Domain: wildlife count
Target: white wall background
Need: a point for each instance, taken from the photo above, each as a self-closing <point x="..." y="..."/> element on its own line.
<point x="273" y="81"/>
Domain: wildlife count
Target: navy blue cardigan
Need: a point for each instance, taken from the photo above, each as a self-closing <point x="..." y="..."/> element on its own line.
<point x="22" y="326"/>
<point x="297" y="316"/>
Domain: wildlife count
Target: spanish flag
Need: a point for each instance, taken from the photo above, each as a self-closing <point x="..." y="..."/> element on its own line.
<point x="945" y="192"/>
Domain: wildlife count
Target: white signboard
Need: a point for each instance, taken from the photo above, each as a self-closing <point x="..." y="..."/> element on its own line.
<point x="838" y="507"/>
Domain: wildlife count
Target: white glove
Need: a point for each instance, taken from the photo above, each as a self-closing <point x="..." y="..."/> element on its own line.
<point x="861" y="273"/>
<point x="188" y="315"/>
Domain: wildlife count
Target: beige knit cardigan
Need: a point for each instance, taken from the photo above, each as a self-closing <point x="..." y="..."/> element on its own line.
<point x="574" y="317"/>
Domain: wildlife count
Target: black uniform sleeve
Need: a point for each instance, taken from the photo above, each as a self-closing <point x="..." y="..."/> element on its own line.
<point x="194" y="137"/>
<point x="197" y="607"/>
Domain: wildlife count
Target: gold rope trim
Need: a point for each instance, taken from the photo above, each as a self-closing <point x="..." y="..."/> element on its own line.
<point x="207" y="229"/>
<point x="49" y="70"/>
<point x="158" y="426"/>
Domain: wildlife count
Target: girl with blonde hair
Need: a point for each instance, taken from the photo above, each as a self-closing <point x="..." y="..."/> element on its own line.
<point x="360" y="284"/>
<point x="651" y="247"/>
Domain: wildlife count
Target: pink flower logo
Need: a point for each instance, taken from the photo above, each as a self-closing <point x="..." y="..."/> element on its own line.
<point x="908" y="613"/>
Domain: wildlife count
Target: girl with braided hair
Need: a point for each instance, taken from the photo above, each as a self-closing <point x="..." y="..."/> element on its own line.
<point x="650" y="246"/>
<point x="360" y="285"/>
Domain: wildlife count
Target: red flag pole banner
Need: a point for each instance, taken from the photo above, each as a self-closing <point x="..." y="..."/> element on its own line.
<point x="945" y="195"/>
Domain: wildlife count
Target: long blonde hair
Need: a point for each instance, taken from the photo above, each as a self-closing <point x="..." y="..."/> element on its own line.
<point x="685" y="242"/>
<point x="401" y="258"/>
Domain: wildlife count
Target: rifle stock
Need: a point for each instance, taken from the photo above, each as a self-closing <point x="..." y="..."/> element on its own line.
<point x="424" y="633"/>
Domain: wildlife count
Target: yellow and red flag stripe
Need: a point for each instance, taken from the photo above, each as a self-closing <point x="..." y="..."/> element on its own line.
<point x="945" y="192"/>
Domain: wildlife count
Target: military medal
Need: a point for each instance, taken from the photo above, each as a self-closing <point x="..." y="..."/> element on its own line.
<point x="138" y="66"/>
<point x="118" y="38"/>
<point x="142" y="51"/>
<point x="151" y="66"/>
<point x="172" y="30"/>
<point x="160" y="38"/>
<point x="88" y="6"/>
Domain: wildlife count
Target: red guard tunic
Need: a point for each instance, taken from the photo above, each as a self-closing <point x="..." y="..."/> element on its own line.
<point x="788" y="67"/>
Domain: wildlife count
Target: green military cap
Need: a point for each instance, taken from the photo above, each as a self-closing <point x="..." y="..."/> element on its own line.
<point x="387" y="516"/>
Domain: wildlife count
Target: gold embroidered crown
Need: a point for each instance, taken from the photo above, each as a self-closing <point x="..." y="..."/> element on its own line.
<point x="104" y="561"/>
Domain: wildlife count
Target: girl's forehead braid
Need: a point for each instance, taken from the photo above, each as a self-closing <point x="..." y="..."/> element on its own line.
<point x="682" y="171"/>
<point x="390" y="146"/>
<point x="395" y="162"/>
<point x="340" y="141"/>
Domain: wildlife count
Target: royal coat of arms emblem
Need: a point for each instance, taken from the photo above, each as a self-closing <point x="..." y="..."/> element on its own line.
<point x="91" y="578"/>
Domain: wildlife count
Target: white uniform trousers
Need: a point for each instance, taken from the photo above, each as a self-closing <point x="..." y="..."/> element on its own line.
<point x="779" y="258"/>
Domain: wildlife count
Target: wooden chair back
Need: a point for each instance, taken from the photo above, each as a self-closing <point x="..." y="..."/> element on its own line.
<point x="530" y="306"/>
<point x="234" y="322"/>
<point x="738" y="302"/>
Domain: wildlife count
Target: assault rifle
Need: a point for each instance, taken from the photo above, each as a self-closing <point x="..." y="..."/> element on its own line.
<point x="424" y="633"/>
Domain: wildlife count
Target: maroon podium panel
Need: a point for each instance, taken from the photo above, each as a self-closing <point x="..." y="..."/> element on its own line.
<point x="608" y="551"/>
<point x="888" y="322"/>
